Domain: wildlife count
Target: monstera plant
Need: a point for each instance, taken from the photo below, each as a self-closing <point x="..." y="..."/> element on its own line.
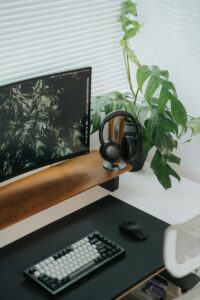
<point x="152" y="100"/>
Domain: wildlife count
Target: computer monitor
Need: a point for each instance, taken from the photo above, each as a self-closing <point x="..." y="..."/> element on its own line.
<point x="44" y="120"/>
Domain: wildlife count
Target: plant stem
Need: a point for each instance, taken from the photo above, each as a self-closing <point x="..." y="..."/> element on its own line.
<point x="126" y="60"/>
<point x="129" y="77"/>
<point x="136" y="95"/>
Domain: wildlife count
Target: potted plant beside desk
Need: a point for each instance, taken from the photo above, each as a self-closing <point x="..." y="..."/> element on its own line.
<point x="152" y="100"/>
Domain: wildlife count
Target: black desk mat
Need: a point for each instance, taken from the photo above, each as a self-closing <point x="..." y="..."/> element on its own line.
<point x="141" y="260"/>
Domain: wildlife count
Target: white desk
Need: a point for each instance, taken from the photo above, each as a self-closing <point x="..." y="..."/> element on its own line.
<point x="176" y="205"/>
<point x="140" y="189"/>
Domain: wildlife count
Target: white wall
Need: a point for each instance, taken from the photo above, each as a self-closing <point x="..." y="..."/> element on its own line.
<point x="190" y="163"/>
<point x="170" y="39"/>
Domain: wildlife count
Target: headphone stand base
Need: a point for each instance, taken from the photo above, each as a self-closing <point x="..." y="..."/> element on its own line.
<point x="114" y="167"/>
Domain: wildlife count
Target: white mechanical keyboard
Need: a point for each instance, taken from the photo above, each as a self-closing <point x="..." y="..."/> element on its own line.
<point x="70" y="264"/>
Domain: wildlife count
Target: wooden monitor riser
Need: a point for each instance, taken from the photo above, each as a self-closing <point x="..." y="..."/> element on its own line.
<point x="34" y="193"/>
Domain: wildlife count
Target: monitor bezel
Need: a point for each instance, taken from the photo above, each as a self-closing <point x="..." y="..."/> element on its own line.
<point x="65" y="157"/>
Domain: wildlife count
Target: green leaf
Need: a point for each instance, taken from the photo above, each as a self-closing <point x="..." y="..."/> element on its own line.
<point x="131" y="109"/>
<point x="159" y="135"/>
<point x="152" y="86"/>
<point x="132" y="56"/>
<point x="108" y="108"/>
<point x="170" y="126"/>
<point x="178" y="111"/>
<point x="99" y="102"/>
<point x="167" y="86"/>
<point x="147" y="145"/>
<point x="163" y="140"/>
<point x="160" y="73"/>
<point x="129" y="22"/>
<point x="163" y="99"/>
<point x="170" y="86"/>
<point x="194" y="124"/>
<point x="123" y="43"/>
<point x="154" y="102"/>
<point x="129" y="7"/>
<point x="96" y="121"/>
<point x="142" y="74"/>
<point x="150" y="126"/>
<point x="173" y="159"/>
<point x="187" y="141"/>
<point x="164" y="73"/>
<point x="143" y="113"/>
<point x="161" y="170"/>
<point x="119" y="106"/>
<point x="130" y="33"/>
<point x="173" y="173"/>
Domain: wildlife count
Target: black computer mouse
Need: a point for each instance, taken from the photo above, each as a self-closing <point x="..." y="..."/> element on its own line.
<point x="134" y="229"/>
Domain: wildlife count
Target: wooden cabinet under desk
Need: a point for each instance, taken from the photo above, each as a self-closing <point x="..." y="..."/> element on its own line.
<point x="39" y="191"/>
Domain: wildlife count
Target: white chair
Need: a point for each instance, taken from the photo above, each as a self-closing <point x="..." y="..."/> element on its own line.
<point x="182" y="252"/>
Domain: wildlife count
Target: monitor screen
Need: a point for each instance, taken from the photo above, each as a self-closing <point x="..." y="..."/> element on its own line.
<point x="44" y="120"/>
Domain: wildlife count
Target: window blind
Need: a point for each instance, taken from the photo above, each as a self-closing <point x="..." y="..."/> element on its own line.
<point x="170" y="39"/>
<point x="39" y="37"/>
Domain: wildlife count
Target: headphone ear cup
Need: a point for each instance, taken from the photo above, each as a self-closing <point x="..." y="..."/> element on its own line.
<point x="129" y="147"/>
<point x="132" y="148"/>
<point x="111" y="152"/>
<point x="101" y="151"/>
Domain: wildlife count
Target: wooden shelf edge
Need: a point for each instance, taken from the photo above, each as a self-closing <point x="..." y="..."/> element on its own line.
<point x="34" y="193"/>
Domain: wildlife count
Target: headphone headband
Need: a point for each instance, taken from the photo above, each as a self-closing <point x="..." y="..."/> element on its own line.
<point x="114" y="114"/>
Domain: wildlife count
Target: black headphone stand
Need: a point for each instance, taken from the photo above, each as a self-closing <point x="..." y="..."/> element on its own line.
<point x="114" y="166"/>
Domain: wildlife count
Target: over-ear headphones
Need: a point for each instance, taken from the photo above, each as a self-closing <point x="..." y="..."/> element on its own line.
<point x="112" y="151"/>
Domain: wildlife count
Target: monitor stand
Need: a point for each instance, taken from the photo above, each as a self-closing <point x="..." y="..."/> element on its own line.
<point x="114" y="166"/>
<point x="34" y="193"/>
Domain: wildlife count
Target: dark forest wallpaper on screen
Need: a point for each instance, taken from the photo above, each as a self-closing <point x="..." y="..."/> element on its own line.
<point x="42" y="120"/>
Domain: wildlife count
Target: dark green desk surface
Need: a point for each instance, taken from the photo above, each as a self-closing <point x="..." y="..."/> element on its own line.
<point x="142" y="258"/>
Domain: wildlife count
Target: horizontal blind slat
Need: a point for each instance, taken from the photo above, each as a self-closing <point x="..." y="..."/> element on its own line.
<point x="33" y="4"/>
<point x="87" y="53"/>
<point x="170" y="39"/>
<point x="39" y="33"/>
<point x="49" y="23"/>
<point x="59" y="41"/>
<point x="57" y="11"/>
<point x="43" y="37"/>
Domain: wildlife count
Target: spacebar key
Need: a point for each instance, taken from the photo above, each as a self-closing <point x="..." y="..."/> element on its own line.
<point x="81" y="270"/>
